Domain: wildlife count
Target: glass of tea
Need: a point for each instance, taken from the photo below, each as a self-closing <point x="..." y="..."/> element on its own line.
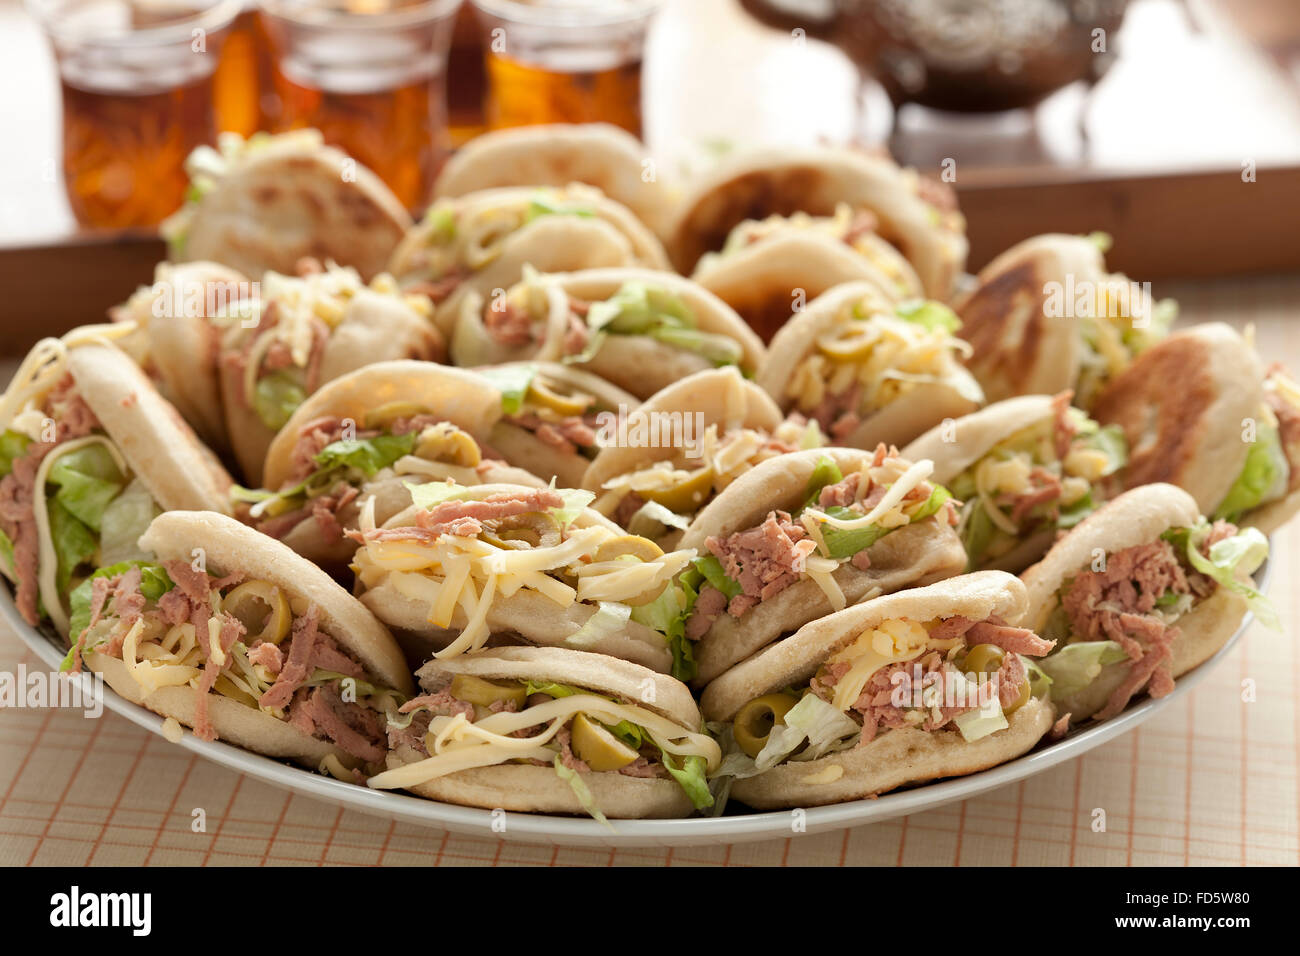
<point x="564" y="61"/>
<point x="242" y="87"/>
<point x="137" y="98"/>
<point x="371" y="76"/>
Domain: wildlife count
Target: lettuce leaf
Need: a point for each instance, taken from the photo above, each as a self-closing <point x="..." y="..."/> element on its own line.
<point x="513" y="382"/>
<point x="367" y="455"/>
<point x="691" y="776"/>
<point x="126" y="518"/>
<point x="976" y="532"/>
<point x="275" y="398"/>
<point x="939" y="495"/>
<point x="543" y="205"/>
<point x="843" y="543"/>
<point x="580" y="791"/>
<point x="610" y="618"/>
<point x="718" y="349"/>
<point x="1243" y="553"/>
<point x="931" y="316"/>
<point x="1263" y="475"/>
<point x="824" y="473"/>
<point x="1110" y="439"/>
<point x="6" y="551"/>
<point x="1072" y="514"/>
<point x="435" y="492"/>
<point x="575" y="500"/>
<point x="711" y="568"/>
<point x="12" y="445"/>
<point x="981" y="721"/>
<point x="1075" y="666"/>
<point x="88" y="480"/>
<point x="668" y="614"/>
<point x="74" y="543"/>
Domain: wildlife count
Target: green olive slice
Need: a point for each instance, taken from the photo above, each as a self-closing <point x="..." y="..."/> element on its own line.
<point x="551" y="395"/>
<point x="983" y="659"/>
<point x="597" y="747"/>
<point x="262" y="608"/>
<point x="686" y="497"/>
<point x="754" y="721"/>
<point x="445" y="442"/>
<point x="485" y="693"/>
<point x="643" y="549"/>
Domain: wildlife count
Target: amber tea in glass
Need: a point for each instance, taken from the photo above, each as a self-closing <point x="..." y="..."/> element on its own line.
<point x="137" y="98"/>
<point x="564" y="61"/>
<point x="371" y="78"/>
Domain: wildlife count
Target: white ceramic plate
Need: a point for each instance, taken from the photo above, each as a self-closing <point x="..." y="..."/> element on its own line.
<point x="582" y="832"/>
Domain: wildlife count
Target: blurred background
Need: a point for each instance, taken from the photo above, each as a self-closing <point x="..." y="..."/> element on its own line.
<point x="1172" y="124"/>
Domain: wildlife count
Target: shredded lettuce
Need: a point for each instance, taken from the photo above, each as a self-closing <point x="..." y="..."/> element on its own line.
<point x="610" y="618"/>
<point x="930" y="315"/>
<point x="976" y="532"/>
<point x="939" y="495"/>
<point x="441" y="222"/>
<point x="513" y="382"/>
<point x="435" y="492"/>
<point x="981" y="721"/>
<point x="550" y="689"/>
<point x="1071" y="515"/>
<point x="575" y="500"/>
<point x="6" y="551"/>
<point x="1262" y="477"/>
<point x="1242" y="554"/>
<point x="1073" y="667"/>
<point x="275" y="398"/>
<point x="580" y="791"/>
<point x="638" y="309"/>
<point x="812" y="720"/>
<point x="543" y="205"/>
<point x="74" y="543"/>
<point x="154" y="583"/>
<point x="843" y="543"/>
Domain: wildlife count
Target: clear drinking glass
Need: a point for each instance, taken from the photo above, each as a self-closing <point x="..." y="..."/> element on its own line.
<point x="137" y="98"/>
<point x="564" y="61"/>
<point x="372" y="78"/>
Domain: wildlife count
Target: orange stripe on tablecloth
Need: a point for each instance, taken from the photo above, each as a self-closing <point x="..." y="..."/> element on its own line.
<point x="72" y="778"/>
<point x="171" y="808"/>
<point x="117" y="801"/>
<point x="279" y="822"/>
<point x="212" y="845"/>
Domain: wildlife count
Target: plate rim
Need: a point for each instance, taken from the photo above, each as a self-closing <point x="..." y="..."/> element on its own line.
<point x="691" y="831"/>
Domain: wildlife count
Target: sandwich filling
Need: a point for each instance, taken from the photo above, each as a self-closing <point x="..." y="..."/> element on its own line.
<point x="953" y="675"/>
<point x="1127" y="612"/>
<point x="458" y="550"/>
<point x="635" y="309"/>
<point x="246" y="640"/>
<point x="856" y="228"/>
<point x="843" y="516"/>
<point x="333" y="460"/>
<point x="872" y="354"/>
<point x="458" y="239"/>
<point x="275" y="344"/>
<point x="1045" y="476"/>
<point x="68" y="500"/>
<point x="559" y="415"/>
<point x="1272" y="468"/>
<point x="463" y="722"/>
<point x="659" y="499"/>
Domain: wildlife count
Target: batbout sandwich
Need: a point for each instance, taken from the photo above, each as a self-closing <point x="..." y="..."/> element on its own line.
<point x="556" y="154"/>
<point x="1200" y="411"/>
<point x="304" y="331"/>
<point x="925" y="683"/>
<point x="1138" y="594"/>
<point x="264" y="203"/>
<point x="916" y="215"/>
<point x="551" y="420"/>
<point x="868" y="370"/>
<point x="1025" y="469"/>
<point x="764" y="264"/>
<point x="498" y="563"/>
<point x="639" y="329"/>
<point x="804" y="534"/>
<point x="365" y="435"/>
<point x="727" y="425"/>
<point x="179" y="322"/>
<point x="482" y="241"/>
<point x="1046" y="316"/>
<point x="549" y="730"/>
<point x="247" y="643"/>
<point x="89" y="454"/>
